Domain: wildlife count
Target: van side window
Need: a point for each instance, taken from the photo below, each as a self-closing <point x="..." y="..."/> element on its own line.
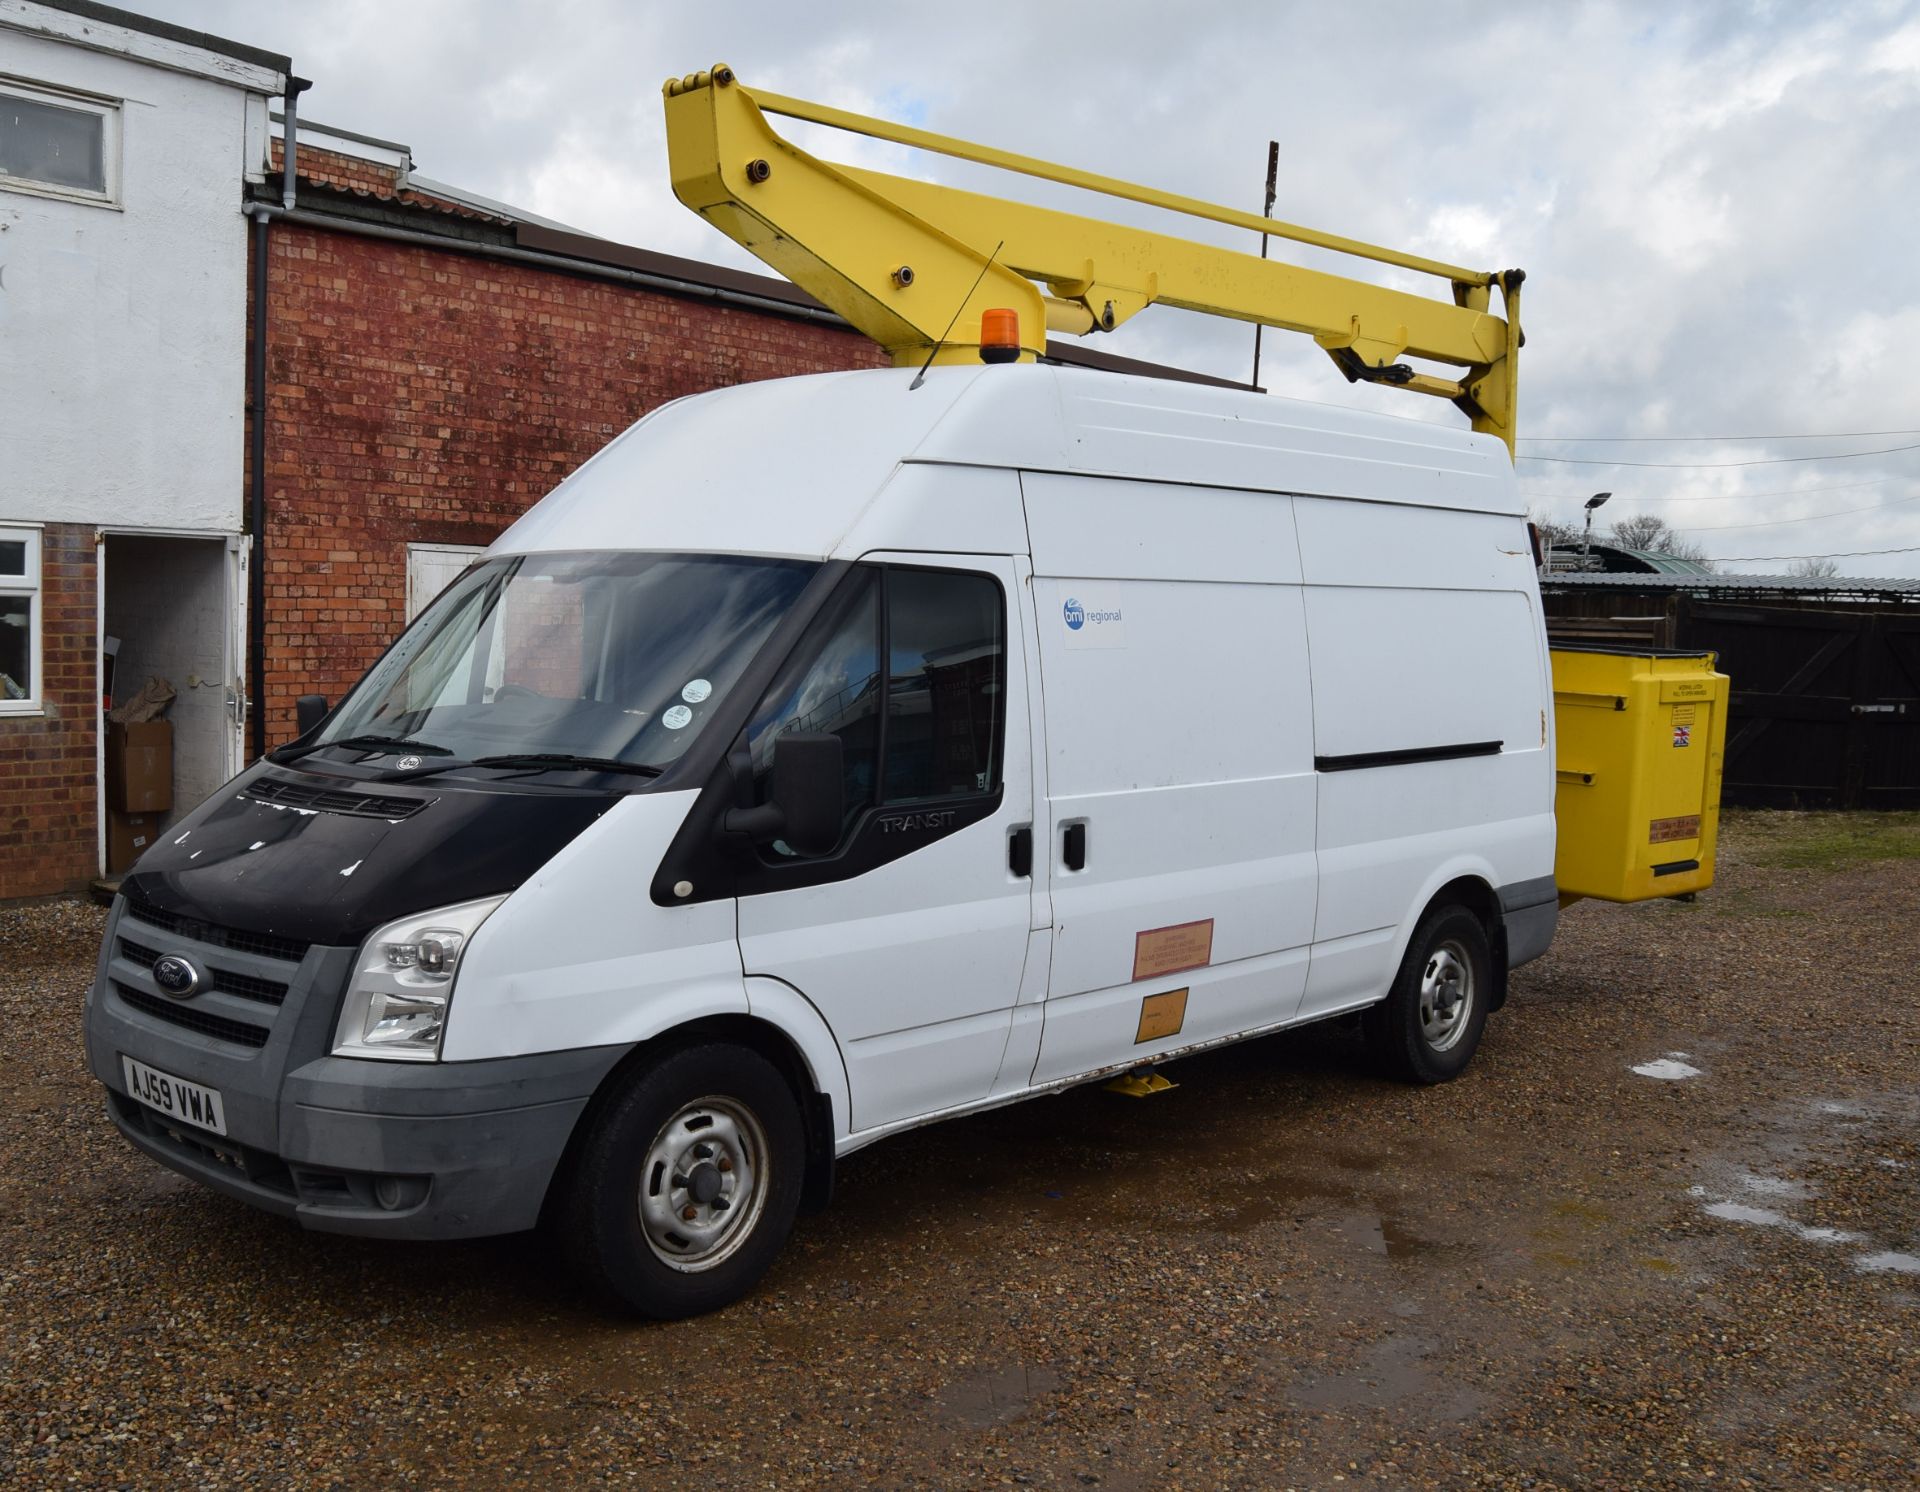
<point x="946" y="651"/>
<point x="832" y="685"/>
<point x="943" y="634"/>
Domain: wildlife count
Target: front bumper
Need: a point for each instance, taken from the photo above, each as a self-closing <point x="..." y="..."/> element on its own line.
<point x="342" y="1145"/>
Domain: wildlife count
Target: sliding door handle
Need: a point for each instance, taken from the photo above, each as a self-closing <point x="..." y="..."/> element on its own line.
<point x="1073" y="847"/>
<point x="1020" y="851"/>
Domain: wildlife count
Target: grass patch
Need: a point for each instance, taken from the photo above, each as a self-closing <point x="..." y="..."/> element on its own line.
<point x="1823" y="841"/>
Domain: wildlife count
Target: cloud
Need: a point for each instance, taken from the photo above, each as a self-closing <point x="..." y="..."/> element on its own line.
<point x="1716" y="203"/>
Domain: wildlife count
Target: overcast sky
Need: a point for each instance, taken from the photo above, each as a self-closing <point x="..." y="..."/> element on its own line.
<point x="1717" y="205"/>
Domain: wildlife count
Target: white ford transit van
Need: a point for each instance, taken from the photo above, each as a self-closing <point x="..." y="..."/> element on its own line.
<point x="827" y="757"/>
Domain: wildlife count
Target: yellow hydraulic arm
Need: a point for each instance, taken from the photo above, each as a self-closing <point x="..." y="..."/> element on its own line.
<point x="914" y="264"/>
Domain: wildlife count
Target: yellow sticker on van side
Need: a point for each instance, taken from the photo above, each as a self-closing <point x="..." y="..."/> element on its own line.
<point x="1161" y="1016"/>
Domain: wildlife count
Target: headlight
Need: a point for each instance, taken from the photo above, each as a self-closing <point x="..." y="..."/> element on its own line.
<point x="396" y="1005"/>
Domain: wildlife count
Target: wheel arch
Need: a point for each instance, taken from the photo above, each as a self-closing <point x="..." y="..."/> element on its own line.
<point x="819" y="1113"/>
<point x="1473" y="889"/>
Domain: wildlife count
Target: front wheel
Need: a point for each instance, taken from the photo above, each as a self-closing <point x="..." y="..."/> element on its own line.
<point x="1428" y="1027"/>
<point x="687" y="1182"/>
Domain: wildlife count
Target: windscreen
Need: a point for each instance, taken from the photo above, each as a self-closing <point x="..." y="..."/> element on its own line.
<point x="620" y="656"/>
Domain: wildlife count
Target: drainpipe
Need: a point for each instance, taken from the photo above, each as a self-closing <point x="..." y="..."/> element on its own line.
<point x="257" y="494"/>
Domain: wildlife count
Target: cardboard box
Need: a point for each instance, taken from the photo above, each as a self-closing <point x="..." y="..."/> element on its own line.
<point x="129" y="835"/>
<point x="140" y="766"/>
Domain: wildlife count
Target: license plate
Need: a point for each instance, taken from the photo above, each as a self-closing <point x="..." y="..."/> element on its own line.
<point x="175" y="1097"/>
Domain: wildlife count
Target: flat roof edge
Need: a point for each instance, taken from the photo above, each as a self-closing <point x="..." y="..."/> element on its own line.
<point x="110" y="15"/>
<point x="279" y="117"/>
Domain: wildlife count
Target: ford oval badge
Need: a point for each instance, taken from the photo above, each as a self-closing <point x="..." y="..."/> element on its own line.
<point x="176" y="976"/>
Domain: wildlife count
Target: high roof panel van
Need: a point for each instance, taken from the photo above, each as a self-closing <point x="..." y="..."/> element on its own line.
<point x="829" y="756"/>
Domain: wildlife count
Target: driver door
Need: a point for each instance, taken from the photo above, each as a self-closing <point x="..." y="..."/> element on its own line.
<point x="910" y="936"/>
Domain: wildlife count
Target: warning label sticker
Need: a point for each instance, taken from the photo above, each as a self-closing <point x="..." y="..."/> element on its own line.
<point x="1169" y="950"/>
<point x="1666" y="830"/>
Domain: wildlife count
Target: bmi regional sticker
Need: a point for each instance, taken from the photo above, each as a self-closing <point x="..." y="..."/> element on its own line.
<point x="1092" y="619"/>
<point x="1683" y="735"/>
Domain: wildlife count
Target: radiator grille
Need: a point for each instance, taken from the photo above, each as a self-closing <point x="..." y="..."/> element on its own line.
<point x="247" y="986"/>
<point x="241" y="1033"/>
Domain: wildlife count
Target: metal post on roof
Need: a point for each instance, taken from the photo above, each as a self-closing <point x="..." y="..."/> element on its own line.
<point x="1586" y="541"/>
<point x="1273" y="173"/>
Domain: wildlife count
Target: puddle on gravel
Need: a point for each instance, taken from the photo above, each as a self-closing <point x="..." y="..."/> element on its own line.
<point x="1776" y="1186"/>
<point x="1671" y="1068"/>
<point x="1374" y="1233"/>
<point x="1888" y="1262"/>
<point x="1844" y="1110"/>
<point x="1255" y="1198"/>
<point x="1766" y="1217"/>
<point x="1831" y="1142"/>
<point x="995" y="1396"/>
<point x="1394" y="1371"/>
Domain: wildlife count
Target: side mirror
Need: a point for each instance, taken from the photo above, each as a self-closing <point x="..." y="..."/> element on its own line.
<point x="809" y="783"/>
<point x="807" y="796"/>
<point x="310" y="710"/>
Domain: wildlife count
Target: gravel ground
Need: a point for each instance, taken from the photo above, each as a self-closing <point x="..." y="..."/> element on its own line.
<point x="1554" y="1273"/>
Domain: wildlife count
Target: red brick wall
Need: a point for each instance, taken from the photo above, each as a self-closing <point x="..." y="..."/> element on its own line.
<point x="429" y="397"/>
<point x="350" y="173"/>
<point x="47" y="831"/>
<point x="330" y="168"/>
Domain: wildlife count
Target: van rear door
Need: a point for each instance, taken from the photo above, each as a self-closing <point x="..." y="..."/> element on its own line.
<point x="1430" y="724"/>
<point x="1179" y="788"/>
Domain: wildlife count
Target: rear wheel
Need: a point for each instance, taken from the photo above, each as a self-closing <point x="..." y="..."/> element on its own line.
<point x="687" y="1183"/>
<point x="1428" y="1027"/>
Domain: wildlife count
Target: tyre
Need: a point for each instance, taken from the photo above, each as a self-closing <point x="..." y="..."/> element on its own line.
<point x="686" y="1183"/>
<point x="1428" y="1027"/>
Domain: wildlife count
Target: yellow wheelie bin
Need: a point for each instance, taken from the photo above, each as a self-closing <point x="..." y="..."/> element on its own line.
<point x="1640" y="739"/>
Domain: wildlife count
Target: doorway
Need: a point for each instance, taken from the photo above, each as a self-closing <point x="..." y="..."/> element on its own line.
<point x="172" y="608"/>
<point x="431" y="568"/>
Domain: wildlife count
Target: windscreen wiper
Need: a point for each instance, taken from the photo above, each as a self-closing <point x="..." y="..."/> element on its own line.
<point x="389" y="744"/>
<point x="532" y="761"/>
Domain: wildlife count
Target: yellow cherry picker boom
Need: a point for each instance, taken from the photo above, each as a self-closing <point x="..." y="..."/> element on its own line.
<point x="895" y="257"/>
<point x="931" y="272"/>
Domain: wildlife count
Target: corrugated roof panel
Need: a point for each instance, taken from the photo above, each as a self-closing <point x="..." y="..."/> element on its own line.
<point x="1830" y="585"/>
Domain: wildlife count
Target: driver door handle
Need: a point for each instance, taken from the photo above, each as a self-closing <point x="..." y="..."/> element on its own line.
<point x="1020" y="851"/>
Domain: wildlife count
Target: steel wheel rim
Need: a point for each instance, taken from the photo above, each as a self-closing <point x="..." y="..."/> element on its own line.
<point x="1446" y="995"/>
<point x="704" y="1184"/>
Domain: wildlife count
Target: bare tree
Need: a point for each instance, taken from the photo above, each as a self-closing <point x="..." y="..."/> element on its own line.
<point x="1649" y="531"/>
<point x="1814" y="569"/>
<point x="1554" y="535"/>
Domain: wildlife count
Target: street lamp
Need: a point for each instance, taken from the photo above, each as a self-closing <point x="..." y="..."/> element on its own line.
<point x="1586" y="541"/>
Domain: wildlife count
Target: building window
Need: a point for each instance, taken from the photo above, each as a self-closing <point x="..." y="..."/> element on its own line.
<point x="431" y="568"/>
<point x="59" y="145"/>
<point x="20" y="690"/>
